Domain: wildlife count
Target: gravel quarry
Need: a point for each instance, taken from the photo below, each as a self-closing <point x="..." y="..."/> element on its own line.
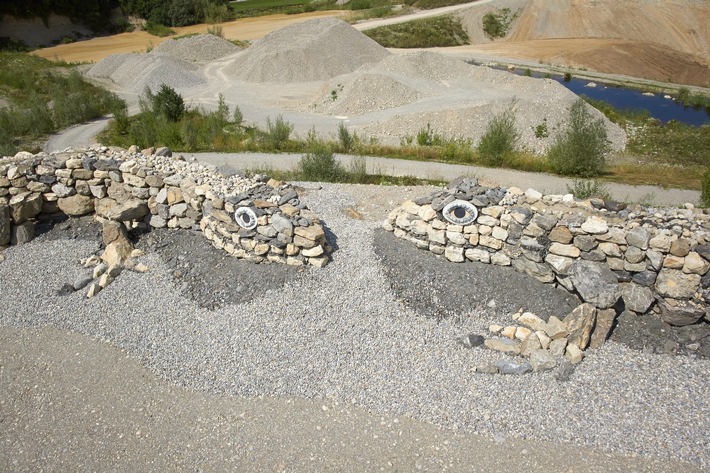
<point x="321" y="73"/>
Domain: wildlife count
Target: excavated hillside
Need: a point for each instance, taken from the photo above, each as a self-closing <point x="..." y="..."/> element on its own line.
<point x="660" y="40"/>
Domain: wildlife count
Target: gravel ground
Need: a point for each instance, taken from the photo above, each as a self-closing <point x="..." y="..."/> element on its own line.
<point x="342" y="334"/>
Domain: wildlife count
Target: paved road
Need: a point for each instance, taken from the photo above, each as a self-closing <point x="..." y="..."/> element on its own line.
<point x="71" y="403"/>
<point x="83" y="135"/>
<point x="545" y="183"/>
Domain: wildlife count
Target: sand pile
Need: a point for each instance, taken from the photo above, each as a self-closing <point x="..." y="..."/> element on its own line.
<point x="200" y="48"/>
<point x="133" y="72"/>
<point x="310" y="51"/>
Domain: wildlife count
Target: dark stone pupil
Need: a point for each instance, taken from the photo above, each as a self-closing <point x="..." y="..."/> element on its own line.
<point x="246" y="218"/>
<point x="459" y="212"/>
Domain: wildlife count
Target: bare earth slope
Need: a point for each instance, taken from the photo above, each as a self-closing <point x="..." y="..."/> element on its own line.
<point x="660" y="40"/>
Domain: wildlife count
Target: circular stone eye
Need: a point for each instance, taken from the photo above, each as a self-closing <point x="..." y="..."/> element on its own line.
<point x="245" y="217"/>
<point x="460" y="212"/>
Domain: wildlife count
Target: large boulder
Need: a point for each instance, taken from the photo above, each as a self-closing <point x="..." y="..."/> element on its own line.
<point x="76" y="205"/>
<point x="131" y="209"/>
<point x="595" y="283"/>
<point x="25" y="206"/>
<point x="675" y="284"/>
<point x="680" y="313"/>
<point x="637" y="298"/>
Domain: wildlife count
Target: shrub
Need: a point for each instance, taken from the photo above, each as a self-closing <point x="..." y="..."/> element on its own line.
<point x="156" y="29"/>
<point x="427" y="137"/>
<point x="216" y="30"/>
<point x="277" y="132"/>
<point x="357" y="170"/>
<point x="541" y="130"/>
<point x="346" y="139"/>
<point x="705" y="196"/>
<point x="238" y="116"/>
<point x="500" y="139"/>
<point x="580" y="149"/>
<point x="495" y="25"/>
<point x="166" y="102"/>
<point x="319" y="164"/>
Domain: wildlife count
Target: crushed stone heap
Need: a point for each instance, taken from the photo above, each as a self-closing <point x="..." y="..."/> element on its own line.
<point x="200" y="48"/>
<point x="314" y="50"/>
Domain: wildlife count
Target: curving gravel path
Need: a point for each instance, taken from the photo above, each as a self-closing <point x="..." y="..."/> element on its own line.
<point x="340" y="334"/>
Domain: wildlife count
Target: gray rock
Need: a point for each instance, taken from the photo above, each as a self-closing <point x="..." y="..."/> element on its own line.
<point x="580" y="323"/>
<point x="675" y="284"/>
<point x="290" y="194"/>
<point x="545" y="221"/>
<point x="25" y="206"/>
<point x="4" y="225"/>
<point x="602" y="328"/>
<point x="558" y="347"/>
<point x="680" y="313"/>
<point x="512" y="367"/>
<point x="541" y="272"/>
<point x="488" y="368"/>
<point x="530" y="344"/>
<point x="282" y="224"/>
<point x="82" y="281"/>
<point x="163" y="151"/>
<point x="22" y="233"/>
<point x="63" y="191"/>
<point x="638" y="237"/>
<point x="472" y="340"/>
<point x="704" y="251"/>
<point x="585" y="243"/>
<point x="644" y="278"/>
<point x="564" y="371"/>
<point x="595" y="283"/>
<point x="637" y="298"/>
<point x="542" y="360"/>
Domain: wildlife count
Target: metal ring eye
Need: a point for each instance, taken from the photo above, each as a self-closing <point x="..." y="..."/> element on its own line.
<point x="245" y="217"/>
<point x="460" y="212"/>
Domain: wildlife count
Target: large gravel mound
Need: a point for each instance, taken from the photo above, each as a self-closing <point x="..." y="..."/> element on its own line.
<point x="454" y="98"/>
<point x="310" y="51"/>
<point x="201" y="48"/>
<point x="134" y="71"/>
<point x="362" y="94"/>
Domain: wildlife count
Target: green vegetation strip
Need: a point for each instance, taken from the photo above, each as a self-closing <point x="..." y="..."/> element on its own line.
<point x="44" y="97"/>
<point x="434" y="32"/>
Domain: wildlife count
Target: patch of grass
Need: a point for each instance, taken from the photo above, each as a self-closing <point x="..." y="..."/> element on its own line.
<point x="44" y="97"/>
<point x="156" y="29"/>
<point x="429" y="4"/>
<point x="496" y="25"/>
<point x="216" y="30"/>
<point x="705" y="191"/>
<point x="666" y="176"/>
<point x="672" y="143"/>
<point x="440" y="31"/>
<point x="585" y="188"/>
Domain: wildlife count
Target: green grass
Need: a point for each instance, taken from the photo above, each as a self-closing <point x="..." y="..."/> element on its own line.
<point x="440" y="31"/>
<point x="31" y="84"/>
<point x="156" y="29"/>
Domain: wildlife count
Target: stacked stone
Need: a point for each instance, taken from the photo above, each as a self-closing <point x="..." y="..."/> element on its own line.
<point x="156" y="190"/>
<point x="546" y="345"/>
<point x="649" y="259"/>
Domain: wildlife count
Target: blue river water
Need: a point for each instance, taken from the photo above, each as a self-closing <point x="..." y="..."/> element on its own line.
<point x="659" y="107"/>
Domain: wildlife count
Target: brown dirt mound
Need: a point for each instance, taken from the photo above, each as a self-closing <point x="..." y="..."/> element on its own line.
<point x="310" y="51"/>
<point x="659" y="40"/>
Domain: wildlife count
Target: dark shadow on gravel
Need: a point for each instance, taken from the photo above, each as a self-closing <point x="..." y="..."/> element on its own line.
<point x="210" y="276"/>
<point x="434" y="286"/>
<point x="60" y="227"/>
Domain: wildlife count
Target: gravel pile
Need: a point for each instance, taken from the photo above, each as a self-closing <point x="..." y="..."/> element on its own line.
<point x="363" y="94"/>
<point x="456" y="99"/>
<point x="341" y="333"/>
<point x="200" y="48"/>
<point x="314" y="50"/>
<point x="134" y="71"/>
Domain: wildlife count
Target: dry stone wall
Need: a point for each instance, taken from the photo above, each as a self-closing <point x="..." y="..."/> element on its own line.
<point x="612" y="257"/>
<point x="157" y="190"/>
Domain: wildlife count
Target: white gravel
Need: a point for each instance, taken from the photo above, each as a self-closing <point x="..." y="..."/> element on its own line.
<point x="133" y="72"/>
<point x="200" y="48"/>
<point x="315" y="50"/>
<point x="340" y="334"/>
